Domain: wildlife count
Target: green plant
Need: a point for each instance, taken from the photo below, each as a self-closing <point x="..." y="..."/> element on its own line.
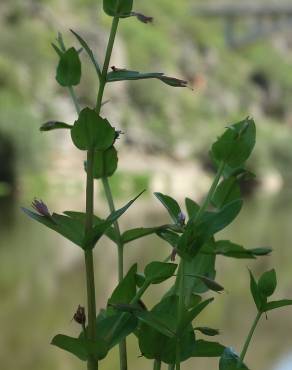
<point x="165" y="333"/>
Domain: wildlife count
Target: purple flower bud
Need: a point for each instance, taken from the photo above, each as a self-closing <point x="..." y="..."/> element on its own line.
<point x="142" y="18"/>
<point x="173" y="255"/>
<point x="181" y="218"/>
<point x="41" y="208"/>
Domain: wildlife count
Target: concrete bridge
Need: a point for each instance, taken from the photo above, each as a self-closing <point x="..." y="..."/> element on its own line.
<point x="257" y="20"/>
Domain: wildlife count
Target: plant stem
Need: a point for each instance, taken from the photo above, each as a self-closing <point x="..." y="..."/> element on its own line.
<point x="171" y="367"/>
<point x="181" y="271"/>
<point x="249" y="337"/>
<point x="157" y="365"/>
<point x="92" y="364"/>
<point x="74" y="99"/>
<point x="120" y="247"/>
<point x="211" y="192"/>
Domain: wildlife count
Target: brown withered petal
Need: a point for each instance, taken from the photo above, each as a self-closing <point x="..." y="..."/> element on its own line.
<point x="142" y="18"/>
<point x="80" y="316"/>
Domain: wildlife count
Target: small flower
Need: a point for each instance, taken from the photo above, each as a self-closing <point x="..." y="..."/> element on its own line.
<point x="41" y="208"/>
<point x="80" y="316"/>
<point x="181" y="218"/>
<point x="142" y="18"/>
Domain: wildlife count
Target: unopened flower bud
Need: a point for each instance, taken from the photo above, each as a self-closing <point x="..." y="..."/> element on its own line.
<point x="41" y="208"/>
<point x="181" y="218"/>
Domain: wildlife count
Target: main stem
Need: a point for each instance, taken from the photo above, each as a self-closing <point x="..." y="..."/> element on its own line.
<point x="157" y="365"/>
<point x="181" y="271"/>
<point x="120" y="247"/>
<point x="92" y="364"/>
<point x="249" y="337"/>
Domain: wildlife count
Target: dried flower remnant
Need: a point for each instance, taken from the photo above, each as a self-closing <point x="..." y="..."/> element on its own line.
<point x="80" y="316"/>
<point x="142" y="18"/>
<point x="173" y="255"/>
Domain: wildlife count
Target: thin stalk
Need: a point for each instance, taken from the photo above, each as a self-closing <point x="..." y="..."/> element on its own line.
<point x="181" y="272"/>
<point x="181" y="303"/>
<point x="171" y="367"/>
<point x="92" y="364"/>
<point x="74" y="99"/>
<point x="120" y="244"/>
<point x="249" y="337"/>
<point x="211" y="192"/>
<point x="157" y="365"/>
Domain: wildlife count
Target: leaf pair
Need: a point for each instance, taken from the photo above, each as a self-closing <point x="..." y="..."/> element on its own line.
<point x="71" y="224"/>
<point x="263" y="289"/>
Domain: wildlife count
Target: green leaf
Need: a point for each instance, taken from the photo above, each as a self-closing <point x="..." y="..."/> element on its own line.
<point x="84" y="44"/>
<point x="53" y="125"/>
<point x="228" y="249"/>
<point x="190" y="315"/>
<point x="277" y="304"/>
<point x="126" y="75"/>
<point x="91" y="131"/>
<point x="120" y="8"/>
<point x="203" y="348"/>
<point x="81" y="216"/>
<point x="258" y="300"/>
<point x="69" y="68"/>
<point x="57" y="50"/>
<point x="105" y="163"/>
<point x="192" y="207"/>
<point x="102" y="227"/>
<point x="80" y="347"/>
<point x="115" y="327"/>
<point x="197" y="234"/>
<point x="156" y="272"/>
<point x="207" y="331"/>
<point x="155" y="345"/>
<point x="171" y="205"/>
<point x="139" y="232"/>
<point x="230" y="361"/>
<point x="169" y="236"/>
<point x="162" y="322"/>
<point x="126" y="289"/>
<point x="68" y="227"/>
<point x="236" y="144"/>
<point x="268" y="283"/>
<point x="227" y="191"/>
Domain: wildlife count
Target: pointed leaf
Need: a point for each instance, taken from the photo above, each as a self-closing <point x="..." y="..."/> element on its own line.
<point x="227" y="191"/>
<point x="91" y="131"/>
<point x="192" y="207"/>
<point x="126" y="289"/>
<point x="236" y="144"/>
<point x="70" y="228"/>
<point x="102" y="228"/>
<point x="171" y="205"/>
<point x="255" y="292"/>
<point x="268" y="283"/>
<point x="53" y="125"/>
<point x="69" y="68"/>
<point x="139" y="232"/>
<point x="207" y="331"/>
<point x="169" y="236"/>
<point x="203" y="348"/>
<point x="156" y="272"/>
<point x="192" y="314"/>
<point x="277" y="304"/>
<point x="80" y="347"/>
<point x="84" y="44"/>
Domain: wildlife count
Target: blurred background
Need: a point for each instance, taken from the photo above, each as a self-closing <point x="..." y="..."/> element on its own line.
<point x="237" y="56"/>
